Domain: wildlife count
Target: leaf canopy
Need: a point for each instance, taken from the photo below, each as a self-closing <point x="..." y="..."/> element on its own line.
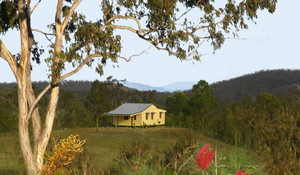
<point x="176" y="26"/>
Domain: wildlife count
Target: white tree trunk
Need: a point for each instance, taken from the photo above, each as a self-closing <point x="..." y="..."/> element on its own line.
<point x="44" y="139"/>
<point x="23" y="128"/>
<point x="35" y="118"/>
<point x="26" y="98"/>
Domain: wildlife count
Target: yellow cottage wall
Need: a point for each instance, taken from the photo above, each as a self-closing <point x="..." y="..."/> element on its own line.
<point x="138" y="121"/>
<point x="120" y="120"/>
<point x="156" y="116"/>
<point x="141" y="118"/>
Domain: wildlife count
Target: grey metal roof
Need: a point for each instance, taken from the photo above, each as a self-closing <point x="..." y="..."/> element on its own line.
<point x="129" y="108"/>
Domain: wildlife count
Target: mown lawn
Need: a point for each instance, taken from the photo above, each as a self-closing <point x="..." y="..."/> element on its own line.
<point x="104" y="149"/>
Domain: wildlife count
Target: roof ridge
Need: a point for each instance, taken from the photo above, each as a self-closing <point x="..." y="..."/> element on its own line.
<point x="135" y="103"/>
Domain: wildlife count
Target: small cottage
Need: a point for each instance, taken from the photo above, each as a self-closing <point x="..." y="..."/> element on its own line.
<point x="137" y="114"/>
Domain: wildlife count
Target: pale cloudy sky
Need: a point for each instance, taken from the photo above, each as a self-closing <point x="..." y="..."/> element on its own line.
<point x="273" y="43"/>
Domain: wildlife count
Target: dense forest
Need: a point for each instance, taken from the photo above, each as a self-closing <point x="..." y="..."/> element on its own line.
<point x="258" y="111"/>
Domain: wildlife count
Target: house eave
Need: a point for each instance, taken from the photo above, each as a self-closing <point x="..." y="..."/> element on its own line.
<point x="107" y="114"/>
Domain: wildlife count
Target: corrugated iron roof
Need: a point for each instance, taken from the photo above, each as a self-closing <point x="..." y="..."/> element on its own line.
<point x="129" y="109"/>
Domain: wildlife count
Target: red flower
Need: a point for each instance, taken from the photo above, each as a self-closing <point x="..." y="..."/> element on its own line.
<point x="241" y="172"/>
<point x="204" y="157"/>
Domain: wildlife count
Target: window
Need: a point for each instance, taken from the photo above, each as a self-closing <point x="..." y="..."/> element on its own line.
<point x="134" y="117"/>
<point x="126" y="118"/>
<point x="160" y="114"/>
<point x="152" y="114"/>
<point x="147" y="114"/>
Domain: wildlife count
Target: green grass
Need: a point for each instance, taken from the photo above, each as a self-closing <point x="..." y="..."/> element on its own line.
<point x="103" y="148"/>
<point x="107" y="143"/>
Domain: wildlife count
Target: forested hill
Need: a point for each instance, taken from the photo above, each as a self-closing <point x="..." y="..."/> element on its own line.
<point x="251" y="85"/>
<point x="74" y="86"/>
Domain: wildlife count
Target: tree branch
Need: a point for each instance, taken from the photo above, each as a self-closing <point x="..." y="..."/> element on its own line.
<point x="7" y="56"/>
<point x="203" y="27"/>
<point x="135" y="55"/>
<point x="140" y="30"/>
<point x="46" y="34"/>
<point x="28" y="4"/>
<point x="149" y="38"/>
<point x="39" y="31"/>
<point x="88" y="57"/>
<point x="123" y="27"/>
<point x="183" y="14"/>
<point x="48" y="124"/>
<point x="33" y="106"/>
<point x="187" y="11"/>
<point x="71" y="12"/>
<point x="35" y="7"/>
<point x="126" y="17"/>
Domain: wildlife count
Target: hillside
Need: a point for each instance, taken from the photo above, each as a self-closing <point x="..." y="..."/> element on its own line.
<point x="277" y="82"/>
<point x="132" y="151"/>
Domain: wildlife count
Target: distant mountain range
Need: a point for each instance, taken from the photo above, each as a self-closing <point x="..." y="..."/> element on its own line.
<point x="84" y="86"/>
<point x="177" y="86"/>
<point x="279" y="82"/>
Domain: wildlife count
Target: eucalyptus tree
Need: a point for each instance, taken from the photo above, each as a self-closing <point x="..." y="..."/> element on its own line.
<point x="178" y="27"/>
<point x="203" y="106"/>
<point x="275" y="134"/>
<point x="177" y="106"/>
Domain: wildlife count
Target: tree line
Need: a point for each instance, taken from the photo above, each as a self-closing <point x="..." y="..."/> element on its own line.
<point x="267" y="123"/>
<point x="77" y="107"/>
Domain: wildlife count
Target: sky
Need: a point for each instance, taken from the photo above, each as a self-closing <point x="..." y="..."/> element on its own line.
<point x="271" y="43"/>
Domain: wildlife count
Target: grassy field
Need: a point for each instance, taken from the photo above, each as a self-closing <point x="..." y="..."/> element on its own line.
<point x="159" y="150"/>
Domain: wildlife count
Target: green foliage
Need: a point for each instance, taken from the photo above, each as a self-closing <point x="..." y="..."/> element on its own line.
<point x="160" y="149"/>
<point x="99" y="97"/>
<point x="71" y="112"/>
<point x="267" y="124"/>
<point x="177" y="106"/>
<point x="202" y="106"/>
<point x="196" y="112"/>
<point x="274" y="134"/>
<point x="79" y="106"/>
<point x="11" y="161"/>
<point x="8" y="15"/>
<point x="168" y="25"/>
<point x="8" y="110"/>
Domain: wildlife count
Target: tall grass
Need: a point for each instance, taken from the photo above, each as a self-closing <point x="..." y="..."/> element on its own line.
<point x="158" y="150"/>
<point x="11" y="161"/>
